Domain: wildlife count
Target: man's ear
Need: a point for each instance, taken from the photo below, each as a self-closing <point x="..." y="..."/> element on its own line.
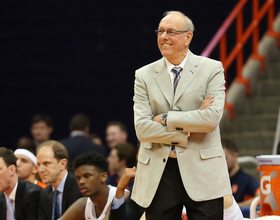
<point x="87" y="129"/>
<point x="50" y="130"/>
<point x="34" y="169"/>
<point x="103" y="177"/>
<point x="12" y="169"/>
<point x="63" y="163"/>
<point x="236" y="155"/>
<point x="189" y="36"/>
<point x="123" y="162"/>
<point x="124" y="136"/>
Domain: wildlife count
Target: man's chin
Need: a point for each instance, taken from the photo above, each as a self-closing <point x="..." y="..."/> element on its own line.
<point x="39" y="140"/>
<point x="45" y="181"/>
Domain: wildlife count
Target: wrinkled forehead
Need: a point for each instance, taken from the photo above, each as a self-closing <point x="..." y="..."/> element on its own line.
<point x="45" y="153"/>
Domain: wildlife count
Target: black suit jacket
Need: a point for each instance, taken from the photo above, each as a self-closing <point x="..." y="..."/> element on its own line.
<point x="71" y="193"/>
<point x="78" y="145"/>
<point x="119" y="214"/>
<point x="26" y="204"/>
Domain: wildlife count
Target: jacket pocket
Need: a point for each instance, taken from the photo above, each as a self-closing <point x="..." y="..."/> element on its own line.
<point x="211" y="152"/>
<point x="143" y="158"/>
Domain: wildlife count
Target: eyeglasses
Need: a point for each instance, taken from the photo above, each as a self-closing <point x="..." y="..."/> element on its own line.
<point x="169" y="32"/>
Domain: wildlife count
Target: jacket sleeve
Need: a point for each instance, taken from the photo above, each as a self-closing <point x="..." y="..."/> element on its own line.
<point x="203" y="120"/>
<point x="42" y="206"/>
<point x="31" y="205"/>
<point x="119" y="214"/>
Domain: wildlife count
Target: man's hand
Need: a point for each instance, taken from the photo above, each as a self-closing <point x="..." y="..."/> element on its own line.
<point x="157" y="118"/>
<point x="128" y="176"/>
<point x="206" y="103"/>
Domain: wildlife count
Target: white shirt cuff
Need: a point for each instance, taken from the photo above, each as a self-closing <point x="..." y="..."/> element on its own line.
<point x="117" y="203"/>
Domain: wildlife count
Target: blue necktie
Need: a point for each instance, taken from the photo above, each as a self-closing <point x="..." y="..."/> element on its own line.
<point x="177" y="70"/>
<point x="10" y="209"/>
<point x="55" y="212"/>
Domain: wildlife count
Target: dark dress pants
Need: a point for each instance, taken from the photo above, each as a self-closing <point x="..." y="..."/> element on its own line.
<point x="171" y="196"/>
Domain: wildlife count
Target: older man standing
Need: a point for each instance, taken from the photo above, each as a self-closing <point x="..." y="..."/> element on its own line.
<point x="181" y="160"/>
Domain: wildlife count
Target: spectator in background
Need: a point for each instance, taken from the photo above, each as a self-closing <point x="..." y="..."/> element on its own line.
<point x="116" y="132"/>
<point x="63" y="188"/>
<point x="27" y="166"/>
<point x="78" y="142"/>
<point x="244" y="187"/>
<point x="121" y="157"/>
<point x="26" y="143"/>
<point x="41" y="128"/>
<point x="18" y="199"/>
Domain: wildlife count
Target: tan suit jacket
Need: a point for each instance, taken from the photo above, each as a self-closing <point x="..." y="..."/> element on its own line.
<point x="200" y="157"/>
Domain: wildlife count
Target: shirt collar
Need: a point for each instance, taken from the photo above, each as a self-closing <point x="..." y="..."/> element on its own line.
<point x="170" y="65"/>
<point x="61" y="185"/>
<point x="77" y="133"/>
<point x="13" y="193"/>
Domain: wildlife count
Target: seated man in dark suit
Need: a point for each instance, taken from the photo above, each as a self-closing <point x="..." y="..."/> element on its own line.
<point x="78" y="143"/>
<point x="63" y="189"/>
<point x="18" y="199"/>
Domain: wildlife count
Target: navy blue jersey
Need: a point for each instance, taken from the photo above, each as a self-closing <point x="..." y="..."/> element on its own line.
<point x="243" y="186"/>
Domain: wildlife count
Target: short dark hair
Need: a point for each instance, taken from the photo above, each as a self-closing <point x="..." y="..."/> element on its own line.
<point x="8" y="156"/>
<point x="27" y="144"/>
<point x="128" y="152"/>
<point x="229" y="145"/>
<point x="92" y="158"/>
<point x="60" y="152"/>
<point x="42" y="117"/>
<point x="117" y="123"/>
<point x="79" y="122"/>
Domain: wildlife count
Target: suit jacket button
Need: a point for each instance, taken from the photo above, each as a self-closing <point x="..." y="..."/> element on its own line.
<point x="164" y="160"/>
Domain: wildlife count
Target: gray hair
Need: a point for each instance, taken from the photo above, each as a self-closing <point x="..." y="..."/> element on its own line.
<point x="188" y="24"/>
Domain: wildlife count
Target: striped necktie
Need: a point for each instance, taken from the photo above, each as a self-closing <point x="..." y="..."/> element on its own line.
<point x="55" y="214"/>
<point x="177" y="70"/>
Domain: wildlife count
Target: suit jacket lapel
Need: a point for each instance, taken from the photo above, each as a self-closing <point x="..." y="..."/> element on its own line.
<point x="162" y="79"/>
<point x="19" y="195"/>
<point x="187" y="75"/>
<point x="67" y="187"/>
<point x="49" y="198"/>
